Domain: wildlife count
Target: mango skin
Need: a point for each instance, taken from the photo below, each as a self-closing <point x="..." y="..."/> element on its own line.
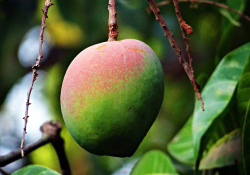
<point x="111" y="95"/>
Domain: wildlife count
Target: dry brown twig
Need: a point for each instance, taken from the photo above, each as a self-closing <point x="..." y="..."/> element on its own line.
<point x="113" y="33"/>
<point x="204" y="2"/>
<point x="189" y="30"/>
<point x="183" y="25"/>
<point x="187" y="67"/>
<point x="47" y="4"/>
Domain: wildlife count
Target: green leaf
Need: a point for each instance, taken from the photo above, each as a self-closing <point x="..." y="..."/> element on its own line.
<point x="243" y="91"/>
<point x="217" y="94"/>
<point x="227" y="27"/>
<point x="181" y="147"/>
<point x="154" y="162"/>
<point x="35" y="170"/>
<point x="224" y="152"/>
<point x="225" y="123"/>
<point x="243" y="100"/>
<point x="227" y="15"/>
<point x="246" y="141"/>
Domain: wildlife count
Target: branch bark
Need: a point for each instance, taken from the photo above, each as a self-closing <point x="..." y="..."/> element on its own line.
<point x="170" y="37"/>
<point x="183" y="25"/>
<point x="50" y="134"/>
<point x="34" y="70"/>
<point x="205" y="2"/>
<point x="53" y="129"/>
<point x="3" y="172"/>
<point x="188" y="30"/>
<point x="113" y="33"/>
<point x="15" y="155"/>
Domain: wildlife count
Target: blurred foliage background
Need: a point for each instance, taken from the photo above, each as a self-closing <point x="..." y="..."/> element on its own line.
<point x="74" y="25"/>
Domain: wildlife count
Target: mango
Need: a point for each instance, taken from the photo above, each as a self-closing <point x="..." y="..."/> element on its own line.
<point x="111" y="95"/>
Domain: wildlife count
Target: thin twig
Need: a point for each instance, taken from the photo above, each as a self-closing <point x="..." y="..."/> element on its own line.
<point x="50" y="134"/>
<point x="34" y="70"/>
<point x="205" y="2"/>
<point x="113" y="33"/>
<point x="170" y="37"/>
<point x="189" y="30"/>
<point x="183" y="25"/>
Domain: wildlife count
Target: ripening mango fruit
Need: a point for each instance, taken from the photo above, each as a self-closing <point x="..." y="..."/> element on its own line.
<point x="111" y="95"/>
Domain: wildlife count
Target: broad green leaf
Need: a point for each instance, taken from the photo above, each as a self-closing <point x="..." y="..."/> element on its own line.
<point x="154" y="162"/>
<point x="181" y="147"/>
<point x="243" y="99"/>
<point x="35" y="170"/>
<point x="225" y="123"/>
<point x="246" y="141"/>
<point x="243" y="91"/>
<point x="227" y="27"/>
<point x="217" y="94"/>
<point x="224" y="152"/>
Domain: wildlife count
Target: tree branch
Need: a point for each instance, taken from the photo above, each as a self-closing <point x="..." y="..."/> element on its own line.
<point x="113" y="33"/>
<point x="54" y="129"/>
<point x="204" y="2"/>
<point x="34" y="70"/>
<point x="3" y="172"/>
<point x="15" y="155"/>
<point x="50" y="134"/>
<point x="189" y="30"/>
<point x="183" y="25"/>
<point x="170" y="37"/>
